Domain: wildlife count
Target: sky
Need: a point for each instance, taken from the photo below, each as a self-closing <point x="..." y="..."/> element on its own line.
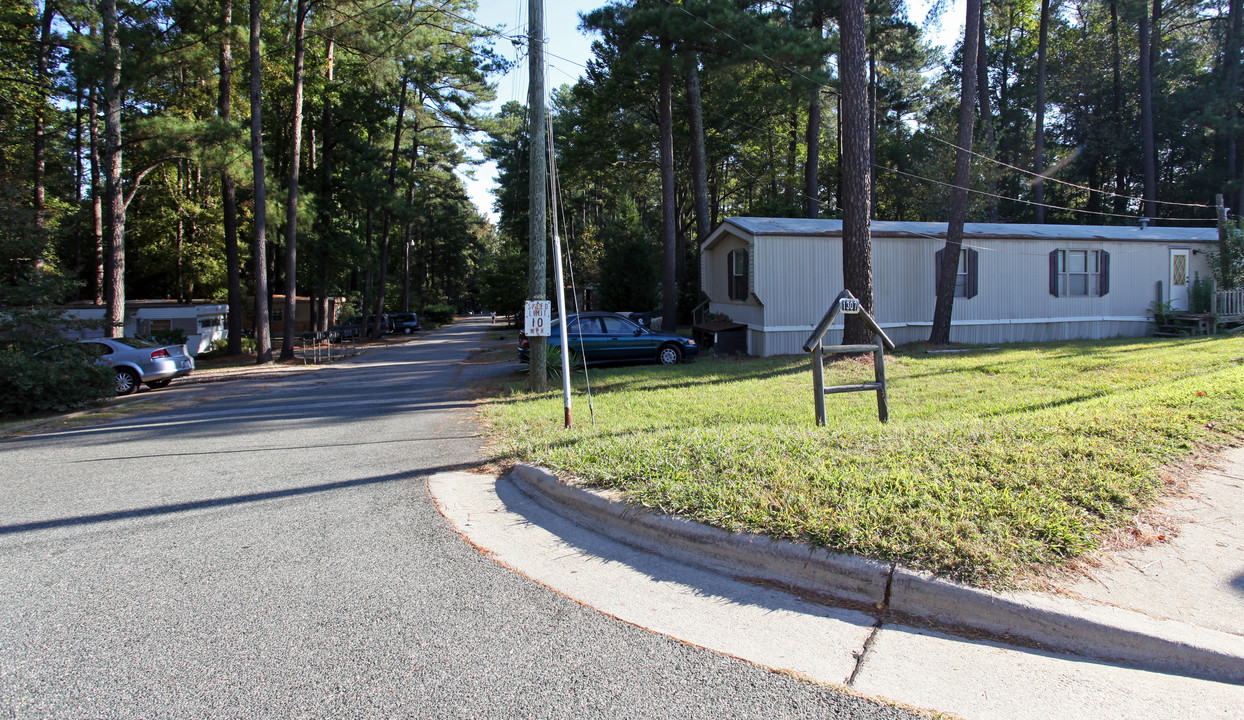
<point x="568" y="51"/>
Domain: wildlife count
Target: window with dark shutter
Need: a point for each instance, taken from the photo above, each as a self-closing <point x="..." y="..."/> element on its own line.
<point x="966" y="283"/>
<point x="736" y="280"/>
<point x="1079" y="273"/>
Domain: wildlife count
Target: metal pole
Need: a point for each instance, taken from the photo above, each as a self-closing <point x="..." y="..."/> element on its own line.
<point x="883" y="405"/>
<point x="537" y="380"/>
<point x="559" y="282"/>
<point x="818" y="383"/>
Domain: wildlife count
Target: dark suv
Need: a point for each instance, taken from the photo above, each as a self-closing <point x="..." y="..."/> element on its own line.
<point x="405" y="322"/>
<point x="352" y="327"/>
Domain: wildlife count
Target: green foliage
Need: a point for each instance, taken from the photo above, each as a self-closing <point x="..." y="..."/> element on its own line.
<point x="174" y="336"/>
<point x="630" y="270"/>
<point x="993" y="464"/>
<point x="1201" y="294"/>
<point x="553" y="361"/>
<point x="439" y="314"/>
<point x="1226" y="260"/>
<point x="58" y="380"/>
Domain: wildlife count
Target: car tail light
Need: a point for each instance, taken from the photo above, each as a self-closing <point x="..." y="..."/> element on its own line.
<point x="524" y="345"/>
<point x="161" y="353"/>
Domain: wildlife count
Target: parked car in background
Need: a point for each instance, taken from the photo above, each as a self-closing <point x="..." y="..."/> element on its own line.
<point x="353" y="327"/>
<point x="140" y="362"/>
<point x="603" y="337"/>
<point x="405" y="322"/>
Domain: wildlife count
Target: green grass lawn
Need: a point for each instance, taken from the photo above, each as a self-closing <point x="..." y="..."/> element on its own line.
<point x="995" y="463"/>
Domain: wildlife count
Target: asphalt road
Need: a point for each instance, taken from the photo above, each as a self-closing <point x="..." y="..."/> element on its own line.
<point x="276" y="554"/>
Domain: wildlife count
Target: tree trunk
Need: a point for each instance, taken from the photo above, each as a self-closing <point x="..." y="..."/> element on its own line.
<point x="1038" y="154"/>
<point x="228" y="188"/>
<point x="986" y="112"/>
<point x="856" y="232"/>
<point x="97" y="200"/>
<point x="872" y="119"/>
<point x="942" y="311"/>
<point x="114" y="202"/>
<point x="326" y="169"/>
<point x="537" y="188"/>
<point x="699" y="170"/>
<point x="669" y="241"/>
<point x="291" y="203"/>
<point x="812" y="136"/>
<point x="1146" y="119"/>
<point x="40" y="141"/>
<point x="263" y="334"/>
<point x="1231" y="93"/>
<point x="410" y="204"/>
<point x="364" y="308"/>
<point x="1116" y="61"/>
<point x="381" y="286"/>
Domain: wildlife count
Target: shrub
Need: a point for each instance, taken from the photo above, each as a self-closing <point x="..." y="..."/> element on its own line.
<point x="57" y="380"/>
<point x="439" y="314"/>
<point x="1201" y="294"/>
<point x="175" y="336"/>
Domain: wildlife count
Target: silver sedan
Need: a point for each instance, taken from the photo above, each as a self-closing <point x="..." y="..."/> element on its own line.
<point x="140" y="361"/>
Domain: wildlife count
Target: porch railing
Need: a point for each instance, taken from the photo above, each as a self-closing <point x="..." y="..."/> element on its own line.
<point x="1228" y="302"/>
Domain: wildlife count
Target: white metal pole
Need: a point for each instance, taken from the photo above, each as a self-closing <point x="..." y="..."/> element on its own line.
<point x="558" y="280"/>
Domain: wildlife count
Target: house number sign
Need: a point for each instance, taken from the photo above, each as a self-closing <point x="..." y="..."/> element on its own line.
<point x="850" y="306"/>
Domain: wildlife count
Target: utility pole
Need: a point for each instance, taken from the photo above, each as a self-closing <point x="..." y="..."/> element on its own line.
<point x="537" y="380"/>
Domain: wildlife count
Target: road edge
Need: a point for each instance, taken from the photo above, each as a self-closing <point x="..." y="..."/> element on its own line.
<point x="1089" y="629"/>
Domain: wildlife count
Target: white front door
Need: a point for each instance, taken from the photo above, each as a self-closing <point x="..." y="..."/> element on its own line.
<point x="1179" y="279"/>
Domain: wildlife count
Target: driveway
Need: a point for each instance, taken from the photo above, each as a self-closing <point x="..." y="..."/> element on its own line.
<point x="275" y="554"/>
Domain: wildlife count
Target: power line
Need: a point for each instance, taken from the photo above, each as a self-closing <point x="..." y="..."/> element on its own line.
<point x="1032" y="202"/>
<point x="1046" y="178"/>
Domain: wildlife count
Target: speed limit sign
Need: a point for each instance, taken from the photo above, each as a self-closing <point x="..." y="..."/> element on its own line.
<point x="536" y="316"/>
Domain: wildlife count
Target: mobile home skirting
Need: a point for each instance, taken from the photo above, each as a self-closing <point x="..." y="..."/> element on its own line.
<point x="789" y="340"/>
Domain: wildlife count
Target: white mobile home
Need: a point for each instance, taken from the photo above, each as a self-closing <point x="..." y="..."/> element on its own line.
<point x="203" y="323"/>
<point x="1016" y="283"/>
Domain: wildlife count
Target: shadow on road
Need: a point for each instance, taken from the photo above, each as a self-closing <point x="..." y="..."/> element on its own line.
<point x="174" y="508"/>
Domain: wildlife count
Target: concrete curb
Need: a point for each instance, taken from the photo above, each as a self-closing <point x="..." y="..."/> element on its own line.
<point x="1085" y="628"/>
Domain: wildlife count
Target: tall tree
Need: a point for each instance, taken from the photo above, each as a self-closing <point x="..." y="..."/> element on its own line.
<point x="291" y="204"/>
<point x="856" y="174"/>
<point x="942" y="311"/>
<point x="259" y="247"/>
<point x="1038" y="160"/>
<point x="114" y="201"/>
<point x="228" y="187"/>
<point x="1148" y="144"/>
<point x="669" y="237"/>
<point x="41" y="111"/>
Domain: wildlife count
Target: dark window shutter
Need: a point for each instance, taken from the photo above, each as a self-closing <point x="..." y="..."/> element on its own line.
<point x="1054" y="273"/>
<point x="1103" y="283"/>
<point x="971" y="280"/>
<point x="730" y="274"/>
<point x="937" y="270"/>
<point x="747" y="268"/>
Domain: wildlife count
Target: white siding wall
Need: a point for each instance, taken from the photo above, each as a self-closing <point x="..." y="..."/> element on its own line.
<point x="716" y="271"/>
<point x="797" y="277"/>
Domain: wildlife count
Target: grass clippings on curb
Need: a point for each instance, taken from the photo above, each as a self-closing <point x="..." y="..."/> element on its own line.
<point x="994" y="463"/>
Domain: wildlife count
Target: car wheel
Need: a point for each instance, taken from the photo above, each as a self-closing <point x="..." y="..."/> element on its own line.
<point x="669" y="355"/>
<point x="157" y="384"/>
<point x="127" y="381"/>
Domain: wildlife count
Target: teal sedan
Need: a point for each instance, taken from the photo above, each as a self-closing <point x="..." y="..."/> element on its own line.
<point x="603" y="337"/>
